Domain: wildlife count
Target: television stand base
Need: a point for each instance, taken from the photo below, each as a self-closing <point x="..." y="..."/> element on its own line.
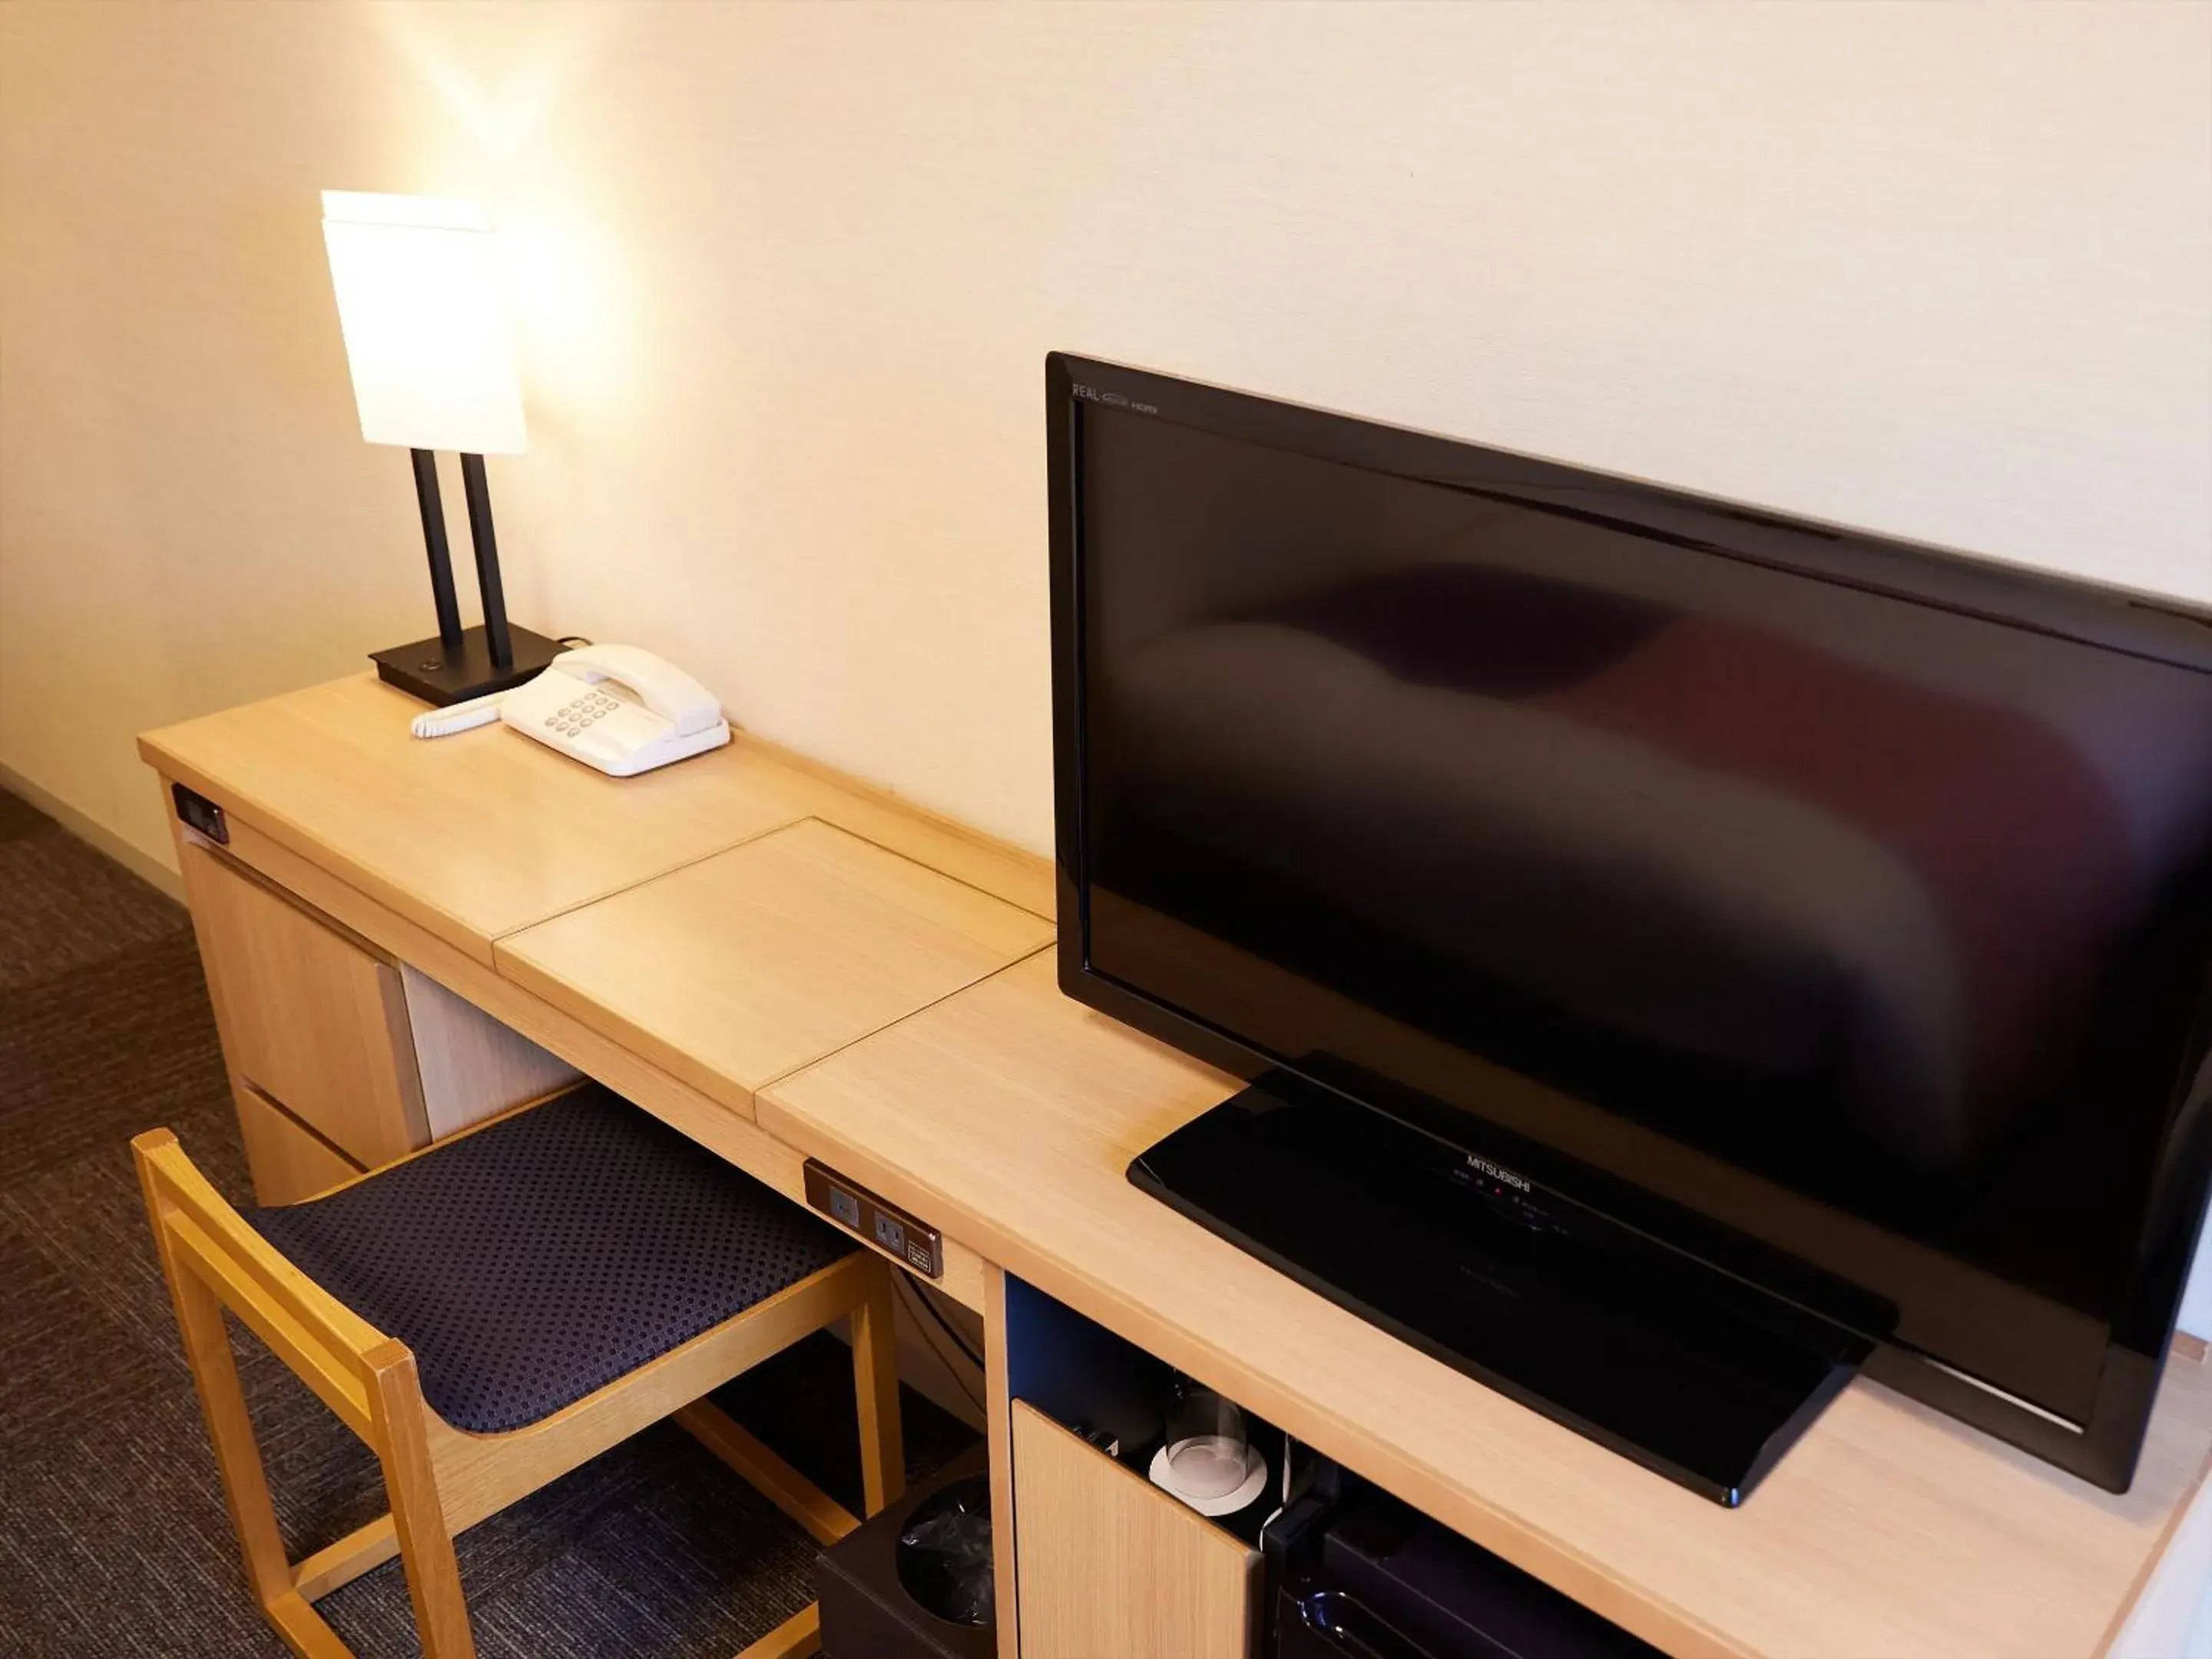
<point x="1668" y="1361"/>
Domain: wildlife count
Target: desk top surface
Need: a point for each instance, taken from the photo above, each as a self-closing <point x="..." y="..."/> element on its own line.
<point x="478" y="836"/>
<point x="1007" y="1115"/>
<point x="752" y="962"/>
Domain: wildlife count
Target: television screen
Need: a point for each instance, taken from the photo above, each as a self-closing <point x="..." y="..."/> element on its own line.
<point x="1833" y="909"/>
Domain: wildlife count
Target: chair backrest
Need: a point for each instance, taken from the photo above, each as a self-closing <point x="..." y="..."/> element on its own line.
<point x="335" y="1351"/>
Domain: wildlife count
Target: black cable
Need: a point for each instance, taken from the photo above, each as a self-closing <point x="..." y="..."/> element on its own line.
<point x="916" y="1295"/>
<point x="952" y="1368"/>
<point x="944" y="1324"/>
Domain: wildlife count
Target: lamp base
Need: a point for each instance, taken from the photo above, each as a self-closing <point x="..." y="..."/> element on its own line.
<point x="427" y="670"/>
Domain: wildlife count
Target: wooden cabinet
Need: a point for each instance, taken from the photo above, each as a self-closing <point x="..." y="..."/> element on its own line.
<point x="310" y="1017"/>
<point x="287" y="1160"/>
<point x="337" y="1054"/>
<point x="1108" y="1564"/>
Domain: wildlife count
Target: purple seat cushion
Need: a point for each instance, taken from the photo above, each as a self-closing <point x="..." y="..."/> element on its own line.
<point x="534" y="1261"/>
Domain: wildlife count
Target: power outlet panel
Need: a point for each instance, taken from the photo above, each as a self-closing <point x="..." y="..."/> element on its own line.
<point x="903" y="1237"/>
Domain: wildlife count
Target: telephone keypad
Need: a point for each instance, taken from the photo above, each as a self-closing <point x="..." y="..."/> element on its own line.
<point x="573" y="716"/>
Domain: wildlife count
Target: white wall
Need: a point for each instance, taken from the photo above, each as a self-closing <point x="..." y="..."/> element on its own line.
<point x="788" y="274"/>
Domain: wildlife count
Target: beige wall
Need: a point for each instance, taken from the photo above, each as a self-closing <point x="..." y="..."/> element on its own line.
<point x="788" y="274"/>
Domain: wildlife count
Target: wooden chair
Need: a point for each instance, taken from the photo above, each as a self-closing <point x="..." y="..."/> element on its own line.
<point x="500" y="1308"/>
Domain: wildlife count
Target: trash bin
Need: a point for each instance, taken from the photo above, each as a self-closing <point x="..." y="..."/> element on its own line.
<point x="909" y="1582"/>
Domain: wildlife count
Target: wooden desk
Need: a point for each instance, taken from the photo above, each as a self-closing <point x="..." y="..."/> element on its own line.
<point x="784" y="964"/>
<point x="1888" y="1529"/>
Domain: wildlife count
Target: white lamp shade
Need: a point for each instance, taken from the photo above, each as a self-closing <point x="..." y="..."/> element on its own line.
<point x="423" y="307"/>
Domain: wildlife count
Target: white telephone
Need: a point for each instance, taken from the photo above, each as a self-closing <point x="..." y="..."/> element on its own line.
<point x="614" y="707"/>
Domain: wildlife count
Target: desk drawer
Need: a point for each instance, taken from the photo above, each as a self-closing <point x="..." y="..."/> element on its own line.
<point x="288" y="1161"/>
<point x="309" y="1016"/>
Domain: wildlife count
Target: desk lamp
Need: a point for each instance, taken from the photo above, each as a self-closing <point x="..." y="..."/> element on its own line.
<point x="421" y="305"/>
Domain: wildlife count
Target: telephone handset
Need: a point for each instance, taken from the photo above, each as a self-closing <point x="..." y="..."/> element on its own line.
<point x="617" y="707"/>
<point x="614" y="707"/>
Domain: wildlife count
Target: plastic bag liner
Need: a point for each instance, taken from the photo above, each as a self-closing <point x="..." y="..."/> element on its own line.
<point x="944" y="1554"/>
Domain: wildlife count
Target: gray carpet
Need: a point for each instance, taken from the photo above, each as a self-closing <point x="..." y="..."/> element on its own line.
<point x="114" y="1539"/>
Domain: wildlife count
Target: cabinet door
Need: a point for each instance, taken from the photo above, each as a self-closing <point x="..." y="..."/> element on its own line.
<point x="289" y="1161"/>
<point x="309" y="1016"/>
<point x="1107" y="1564"/>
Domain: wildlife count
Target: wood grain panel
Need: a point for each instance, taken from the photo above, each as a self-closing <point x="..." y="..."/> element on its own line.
<point x="309" y="1018"/>
<point x="1110" y="1564"/>
<point x="745" y="965"/>
<point x="470" y="836"/>
<point x="472" y="1066"/>
<point x="1011" y="1114"/>
<point x="287" y="1160"/>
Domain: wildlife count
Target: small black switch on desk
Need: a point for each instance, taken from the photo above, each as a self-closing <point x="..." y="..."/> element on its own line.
<point x="201" y="814"/>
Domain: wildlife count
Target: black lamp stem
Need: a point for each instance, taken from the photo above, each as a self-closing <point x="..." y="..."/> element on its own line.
<point x="441" y="562"/>
<point x="495" y="597"/>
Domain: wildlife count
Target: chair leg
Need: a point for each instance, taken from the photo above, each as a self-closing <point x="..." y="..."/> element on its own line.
<point x="797" y="1638"/>
<point x="230" y="1430"/>
<point x="426" y="1546"/>
<point x="208" y="1356"/>
<point x="876" y="1386"/>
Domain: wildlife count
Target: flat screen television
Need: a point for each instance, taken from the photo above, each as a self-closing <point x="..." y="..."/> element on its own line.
<point x="1681" y="954"/>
